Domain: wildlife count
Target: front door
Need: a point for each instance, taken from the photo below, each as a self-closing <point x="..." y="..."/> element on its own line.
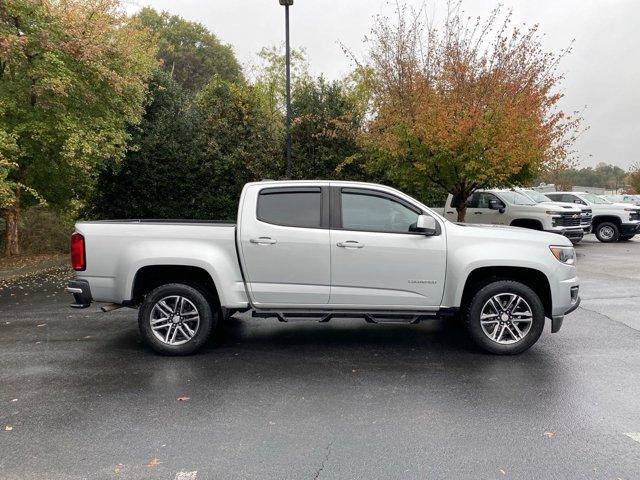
<point x="478" y="210"/>
<point x="285" y="246"/>
<point x="376" y="261"/>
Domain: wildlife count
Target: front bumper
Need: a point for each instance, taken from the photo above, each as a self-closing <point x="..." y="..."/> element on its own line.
<point x="586" y="229"/>
<point x="630" y="228"/>
<point x="556" y="320"/>
<point x="81" y="293"/>
<point x="571" y="233"/>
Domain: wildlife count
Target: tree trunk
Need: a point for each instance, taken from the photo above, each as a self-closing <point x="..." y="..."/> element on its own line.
<point x="462" y="211"/>
<point x="11" y="216"/>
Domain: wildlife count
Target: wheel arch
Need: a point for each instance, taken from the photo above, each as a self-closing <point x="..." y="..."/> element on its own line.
<point x="598" y="219"/>
<point x="534" y="279"/>
<point x="149" y="277"/>
<point x="527" y="223"/>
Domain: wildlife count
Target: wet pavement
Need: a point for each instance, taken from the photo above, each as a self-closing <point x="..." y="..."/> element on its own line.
<point x="81" y="397"/>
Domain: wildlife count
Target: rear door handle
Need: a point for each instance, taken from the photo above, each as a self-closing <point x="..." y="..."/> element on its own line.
<point x="350" y="244"/>
<point x="477" y="213"/>
<point x="263" y="241"/>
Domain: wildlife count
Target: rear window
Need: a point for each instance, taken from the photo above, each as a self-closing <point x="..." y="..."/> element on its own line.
<point x="295" y="207"/>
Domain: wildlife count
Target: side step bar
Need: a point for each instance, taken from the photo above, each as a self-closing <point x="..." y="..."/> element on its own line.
<point x="369" y="316"/>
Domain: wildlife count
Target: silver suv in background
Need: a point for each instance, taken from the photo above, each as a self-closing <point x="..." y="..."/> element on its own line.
<point x="586" y="215"/>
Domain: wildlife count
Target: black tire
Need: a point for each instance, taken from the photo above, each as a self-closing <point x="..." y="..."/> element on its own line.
<point x="208" y="318"/>
<point x="499" y="287"/>
<point x="624" y="238"/>
<point x="607" y="232"/>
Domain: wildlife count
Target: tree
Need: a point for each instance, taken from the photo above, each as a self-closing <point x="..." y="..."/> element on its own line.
<point x="190" y="53"/>
<point x="633" y="178"/>
<point x="469" y="105"/>
<point x="241" y="144"/>
<point x="190" y="158"/>
<point x="326" y="123"/>
<point x="161" y="163"/>
<point x="72" y="77"/>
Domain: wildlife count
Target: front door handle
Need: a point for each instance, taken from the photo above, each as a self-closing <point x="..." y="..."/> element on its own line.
<point x="477" y="213"/>
<point x="350" y="244"/>
<point x="263" y="241"/>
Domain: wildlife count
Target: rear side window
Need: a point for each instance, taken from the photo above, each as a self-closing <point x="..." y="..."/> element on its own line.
<point x="291" y="207"/>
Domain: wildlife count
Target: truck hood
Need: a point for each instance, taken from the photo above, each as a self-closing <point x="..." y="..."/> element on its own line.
<point x="505" y="232"/>
<point x="566" y="205"/>
<point x="625" y="205"/>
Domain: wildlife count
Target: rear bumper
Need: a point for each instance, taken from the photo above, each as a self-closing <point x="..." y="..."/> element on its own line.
<point x="81" y="292"/>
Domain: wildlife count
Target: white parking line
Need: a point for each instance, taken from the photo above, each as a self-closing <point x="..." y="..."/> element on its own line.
<point x="634" y="436"/>
<point x="186" y="476"/>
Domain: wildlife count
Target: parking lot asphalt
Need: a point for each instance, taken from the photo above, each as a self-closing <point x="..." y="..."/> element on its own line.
<point x="81" y="397"/>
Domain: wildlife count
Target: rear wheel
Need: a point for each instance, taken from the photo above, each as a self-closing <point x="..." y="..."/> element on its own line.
<point x="176" y="319"/>
<point x="505" y="317"/>
<point x="607" y="232"/>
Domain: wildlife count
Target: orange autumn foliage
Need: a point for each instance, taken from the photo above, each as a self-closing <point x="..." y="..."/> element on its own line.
<point x="469" y="105"/>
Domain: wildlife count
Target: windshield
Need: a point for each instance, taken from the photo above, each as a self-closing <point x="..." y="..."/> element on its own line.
<point x="592" y="198"/>
<point x="537" y="196"/>
<point x="516" y="198"/>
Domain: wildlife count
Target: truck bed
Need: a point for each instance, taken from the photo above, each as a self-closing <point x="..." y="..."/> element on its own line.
<point x="117" y="249"/>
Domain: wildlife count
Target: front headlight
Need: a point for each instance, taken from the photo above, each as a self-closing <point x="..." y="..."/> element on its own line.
<point x="566" y="255"/>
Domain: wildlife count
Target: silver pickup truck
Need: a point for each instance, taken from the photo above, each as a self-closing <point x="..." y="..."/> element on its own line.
<point x="321" y="250"/>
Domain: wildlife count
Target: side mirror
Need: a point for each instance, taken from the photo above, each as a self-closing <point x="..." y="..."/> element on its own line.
<point x="426" y="225"/>
<point x="496" y="205"/>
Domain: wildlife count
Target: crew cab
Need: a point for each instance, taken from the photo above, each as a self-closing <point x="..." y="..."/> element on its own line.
<point x="510" y="207"/>
<point x="611" y="221"/>
<point x="586" y="214"/>
<point x="321" y="250"/>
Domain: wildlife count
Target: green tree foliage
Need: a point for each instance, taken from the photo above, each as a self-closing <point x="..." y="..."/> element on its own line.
<point x="602" y="175"/>
<point x="326" y="122"/>
<point x="190" y="53"/>
<point x="190" y="158"/>
<point x="72" y="78"/>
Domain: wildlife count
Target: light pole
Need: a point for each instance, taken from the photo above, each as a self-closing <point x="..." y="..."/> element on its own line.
<point x="286" y="4"/>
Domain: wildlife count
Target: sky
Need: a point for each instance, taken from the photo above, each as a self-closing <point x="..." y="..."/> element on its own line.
<point x="602" y="73"/>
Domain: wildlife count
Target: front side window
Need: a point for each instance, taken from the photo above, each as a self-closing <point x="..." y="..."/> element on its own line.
<point x="373" y="213"/>
<point x="482" y="200"/>
<point x="294" y="207"/>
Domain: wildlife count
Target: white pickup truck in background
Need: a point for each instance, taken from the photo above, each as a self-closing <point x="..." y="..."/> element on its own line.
<point x="510" y="207"/>
<point x="586" y="213"/>
<point x="611" y="221"/>
<point x="324" y="249"/>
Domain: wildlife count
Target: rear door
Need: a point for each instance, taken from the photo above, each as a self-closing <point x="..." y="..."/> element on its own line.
<point x="376" y="261"/>
<point x="284" y="242"/>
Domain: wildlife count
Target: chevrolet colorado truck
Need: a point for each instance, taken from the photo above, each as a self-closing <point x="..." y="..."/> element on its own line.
<point x="586" y="214"/>
<point x="510" y="207"/>
<point x="322" y="250"/>
<point x="612" y="222"/>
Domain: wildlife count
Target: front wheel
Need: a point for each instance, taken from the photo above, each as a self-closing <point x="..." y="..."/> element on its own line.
<point x="176" y="319"/>
<point x="607" y="232"/>
<point x="505" y="317"/>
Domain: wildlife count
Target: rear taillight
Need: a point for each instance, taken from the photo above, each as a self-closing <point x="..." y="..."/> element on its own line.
<point x="78" y="259"/>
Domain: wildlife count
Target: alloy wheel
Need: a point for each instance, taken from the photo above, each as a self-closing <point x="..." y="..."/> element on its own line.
<point x="506" y="318"/>
<point x="174" y="320"/>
